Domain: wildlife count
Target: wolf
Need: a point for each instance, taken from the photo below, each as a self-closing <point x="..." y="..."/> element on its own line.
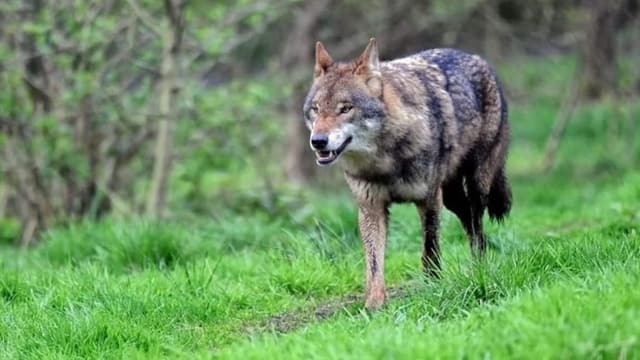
<point x="429" y="129"/>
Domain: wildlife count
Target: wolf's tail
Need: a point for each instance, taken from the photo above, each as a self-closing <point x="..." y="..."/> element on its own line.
<point x="499" y="203"/>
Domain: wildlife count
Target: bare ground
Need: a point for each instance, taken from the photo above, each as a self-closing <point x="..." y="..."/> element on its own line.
<point x="292" y="320"/>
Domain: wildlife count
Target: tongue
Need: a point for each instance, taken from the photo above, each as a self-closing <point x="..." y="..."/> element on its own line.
<point x="324" y="154"/>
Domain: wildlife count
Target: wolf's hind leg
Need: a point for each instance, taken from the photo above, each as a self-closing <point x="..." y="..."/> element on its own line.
<point x="478" y="202"/>
<point x="464" y="198"/>
<point x="429" y="211"/>
<point x="456" y="199"/>
<point x="487" y="177"/>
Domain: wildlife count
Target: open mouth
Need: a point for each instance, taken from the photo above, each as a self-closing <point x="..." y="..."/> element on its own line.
<point x="326" y="157"/>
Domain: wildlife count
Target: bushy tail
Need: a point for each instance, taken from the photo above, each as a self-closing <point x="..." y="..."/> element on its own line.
<point x="499" y="203"/>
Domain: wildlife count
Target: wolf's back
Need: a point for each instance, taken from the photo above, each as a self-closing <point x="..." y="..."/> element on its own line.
<point x="469" y="77"/>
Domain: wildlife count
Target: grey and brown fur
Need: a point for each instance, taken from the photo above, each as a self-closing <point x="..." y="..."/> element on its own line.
<point x="430" y="129"/>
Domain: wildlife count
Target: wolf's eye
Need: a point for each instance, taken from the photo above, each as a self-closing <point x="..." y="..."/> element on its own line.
<point x="345" y="109"/>
<point x="314" y="109"/>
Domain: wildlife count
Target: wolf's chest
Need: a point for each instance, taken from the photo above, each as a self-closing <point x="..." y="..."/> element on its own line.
<point x="401" y="192"/>
<point x="394" y="191"/>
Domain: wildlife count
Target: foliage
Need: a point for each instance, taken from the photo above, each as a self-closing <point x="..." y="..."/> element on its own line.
<point x="231" y="144"/>
<point x="85" y="81"/>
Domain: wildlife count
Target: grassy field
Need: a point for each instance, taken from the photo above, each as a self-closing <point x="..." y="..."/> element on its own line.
<point x="560" y="279"/>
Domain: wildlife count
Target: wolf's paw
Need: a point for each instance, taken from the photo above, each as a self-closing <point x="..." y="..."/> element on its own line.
<point x="375" y="299"/>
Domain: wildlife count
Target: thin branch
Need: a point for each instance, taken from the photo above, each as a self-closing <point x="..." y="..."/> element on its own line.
<point x="567" y="108"/>
<point x="243" y="38"/>
<point x="235" y="17"/>
<point x="145" y="17"/>
<point x="125" y="154"/>
<point x="175" y="12"/>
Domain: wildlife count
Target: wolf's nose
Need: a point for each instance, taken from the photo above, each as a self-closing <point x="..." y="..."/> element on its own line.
<point x="319" y="141"/>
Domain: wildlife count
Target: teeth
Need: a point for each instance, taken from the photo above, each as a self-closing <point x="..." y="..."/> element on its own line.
<point x="326" y="157"/>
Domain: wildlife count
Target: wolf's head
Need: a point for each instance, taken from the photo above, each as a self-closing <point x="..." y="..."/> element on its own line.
<point x="344" y="108"/>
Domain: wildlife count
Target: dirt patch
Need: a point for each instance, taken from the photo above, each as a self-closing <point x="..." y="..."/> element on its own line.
<point x="292" y="320"/>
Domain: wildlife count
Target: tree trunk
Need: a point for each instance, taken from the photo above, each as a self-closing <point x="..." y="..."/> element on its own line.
<point x="301" y="166"/>
<point x="298" y="54"/>
<point x="22" y="166"/>
<point x="599" y="59"/>
<point x="168" y="91"/>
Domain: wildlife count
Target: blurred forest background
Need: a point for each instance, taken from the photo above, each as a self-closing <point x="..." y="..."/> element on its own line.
<point x="188" y="108"/>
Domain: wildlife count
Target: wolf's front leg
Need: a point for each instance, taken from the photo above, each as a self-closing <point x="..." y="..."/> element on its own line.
<point x="373" y="220"/>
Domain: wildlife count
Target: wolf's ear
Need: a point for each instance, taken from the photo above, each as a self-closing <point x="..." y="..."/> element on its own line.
<point x="368" y="67"/>
<point x="369" y="61"/>
<point x="323" y="60"/>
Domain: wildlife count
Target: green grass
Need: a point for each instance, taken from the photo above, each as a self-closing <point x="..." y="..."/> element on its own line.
<point x="560" y="280"/>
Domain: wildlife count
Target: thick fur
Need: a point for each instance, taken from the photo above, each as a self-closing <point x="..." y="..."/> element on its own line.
<point x="430" y="129"/>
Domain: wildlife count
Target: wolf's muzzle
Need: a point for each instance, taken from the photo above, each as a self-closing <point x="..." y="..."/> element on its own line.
<point x="326" y="157"/>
